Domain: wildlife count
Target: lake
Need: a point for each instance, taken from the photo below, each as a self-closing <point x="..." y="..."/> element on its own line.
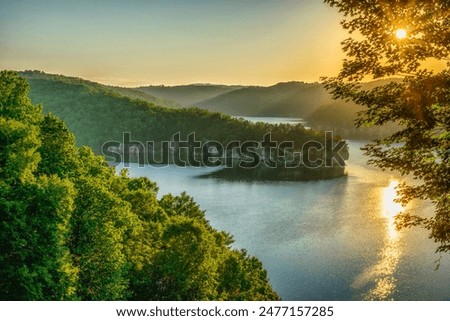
<point x="321" y="240"/>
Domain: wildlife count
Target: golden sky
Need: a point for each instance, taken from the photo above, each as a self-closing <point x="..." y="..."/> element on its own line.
<point x="131" y="43"/>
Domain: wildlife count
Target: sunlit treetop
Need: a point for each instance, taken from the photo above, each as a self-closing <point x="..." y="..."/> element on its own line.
<point x="377" y="26"/>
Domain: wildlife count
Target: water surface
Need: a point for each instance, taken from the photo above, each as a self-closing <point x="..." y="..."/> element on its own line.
<point x="321" y="240"/>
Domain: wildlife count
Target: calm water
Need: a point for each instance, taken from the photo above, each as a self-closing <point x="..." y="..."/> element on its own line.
<point x="324" y="240"/>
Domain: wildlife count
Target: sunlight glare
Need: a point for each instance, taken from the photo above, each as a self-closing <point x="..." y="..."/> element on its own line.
<point x="401" y="33"/>
<point x="390" y="208"/>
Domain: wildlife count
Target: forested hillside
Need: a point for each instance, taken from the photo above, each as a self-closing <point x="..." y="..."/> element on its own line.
<point x="39" y="77"/>
<point x="71" y="229"/>
<point x="97" y="115"/>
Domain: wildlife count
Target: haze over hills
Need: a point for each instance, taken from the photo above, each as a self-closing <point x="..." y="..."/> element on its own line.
<point x="137" y="94"/>
<point x="188" y="95"/>
<point x="291" y="99"/>
<point x="309" y="101"/>
<point x="339" y="117"/>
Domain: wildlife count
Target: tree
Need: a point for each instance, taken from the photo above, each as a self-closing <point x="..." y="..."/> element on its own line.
<point x="70" y="228"/>
<point x="58" y="152"/>
<point x="101" y="223"/>
<point x="401" y="39"/>
<point x="35" y="262"/>
<point x="242" y="277"/>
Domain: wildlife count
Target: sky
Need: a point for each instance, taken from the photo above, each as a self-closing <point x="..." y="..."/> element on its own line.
<point x="173" y="42"/>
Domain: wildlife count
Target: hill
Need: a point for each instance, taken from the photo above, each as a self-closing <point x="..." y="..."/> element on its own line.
<point x="72" y="229"/>
<point x="137" y="94"/>
<point x="291" y="99"/>
<point x="97" y="114"/>
<point x="188" y="95"/>
<point x="36" y="76"/>
<point x="339" y="116"/>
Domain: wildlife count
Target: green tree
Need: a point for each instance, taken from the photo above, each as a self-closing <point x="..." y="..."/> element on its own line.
<point x="242" y="277"/>
<point x="35" y="262"/>
<point x="70" y="228"/>
<point x="185" y="266"/>
<point x="400" y="39"/>
<point x="145" y="238"/>
<point x="58" y="152"/>
<point x="100" y="224"/>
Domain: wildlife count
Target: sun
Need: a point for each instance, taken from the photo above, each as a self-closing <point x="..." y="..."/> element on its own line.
<point x="401" y="33"/>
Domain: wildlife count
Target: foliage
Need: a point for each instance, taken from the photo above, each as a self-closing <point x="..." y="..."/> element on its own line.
<point x="419" y="103"/>
<point x="35" y="210"/>
<point x="339" y="117"/>
<point x="71" y="228"/>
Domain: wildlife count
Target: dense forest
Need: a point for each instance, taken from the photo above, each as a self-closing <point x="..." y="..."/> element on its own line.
<point x="70" y="228"/>
<point x="97" y="114"/>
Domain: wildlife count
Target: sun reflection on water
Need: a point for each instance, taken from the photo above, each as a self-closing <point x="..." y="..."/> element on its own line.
<point x="390" y="209"/>
<point x="380" y="277"/>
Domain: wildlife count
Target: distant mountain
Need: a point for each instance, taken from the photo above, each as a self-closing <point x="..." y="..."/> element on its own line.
<point x="339" y="116"/>
<point x="339" y="113"/>
<point x="188" y="95"/>
<point x="290" y="99"/>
